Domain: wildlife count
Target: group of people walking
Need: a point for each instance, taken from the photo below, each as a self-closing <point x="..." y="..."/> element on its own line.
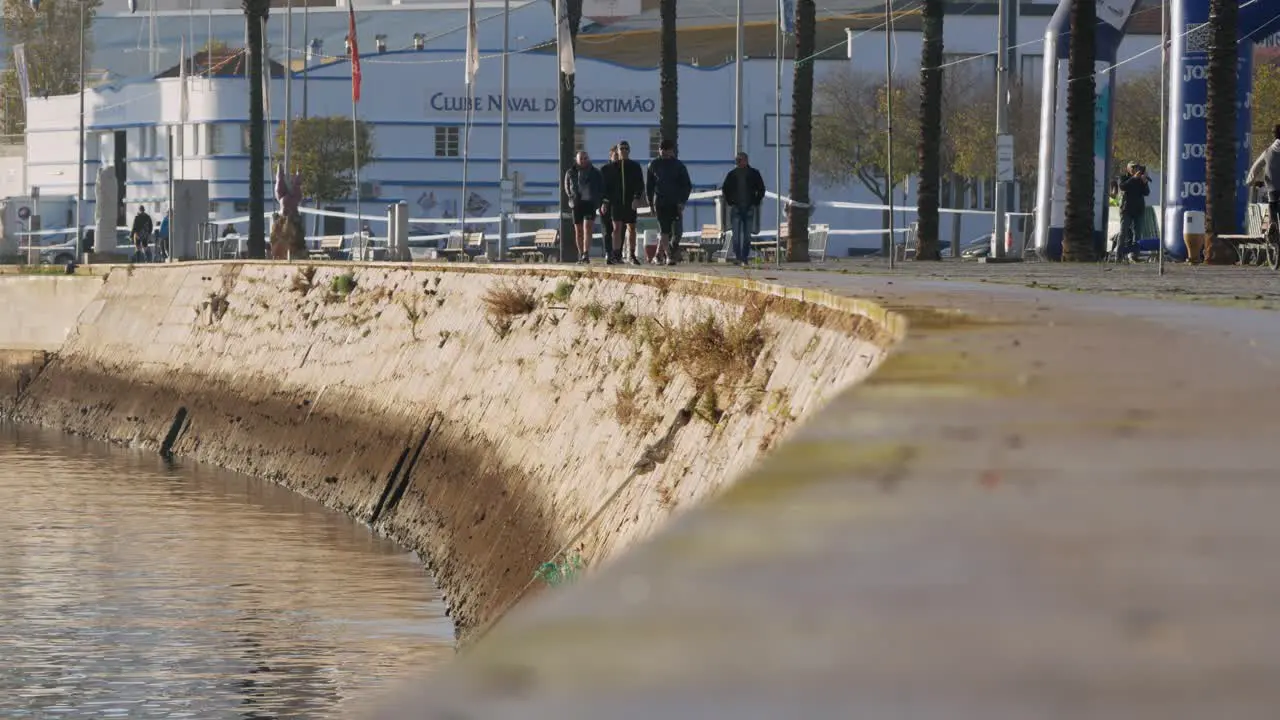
<point x="620" y="189"/>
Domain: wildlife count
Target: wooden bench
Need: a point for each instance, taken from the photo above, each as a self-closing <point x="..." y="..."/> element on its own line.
<point x="542" y="243"/>
<point x="708" y="242"/>
<point x="768" y="248"/>
<point x="330" y="248"/>
<point x="463" y="245"/>
<point x="548" y="243"/>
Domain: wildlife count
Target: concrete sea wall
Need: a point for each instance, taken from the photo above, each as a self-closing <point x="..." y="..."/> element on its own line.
<point x="492" y="419"/>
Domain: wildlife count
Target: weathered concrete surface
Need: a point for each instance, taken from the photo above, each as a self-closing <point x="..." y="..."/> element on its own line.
<point x="1062" y="506"/>
<point x="41" y="310"/>
<point x="491" y="444"/>
<point x="1232" y="286"/>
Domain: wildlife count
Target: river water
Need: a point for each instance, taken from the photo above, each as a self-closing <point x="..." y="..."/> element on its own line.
<point x="133" y="588"/>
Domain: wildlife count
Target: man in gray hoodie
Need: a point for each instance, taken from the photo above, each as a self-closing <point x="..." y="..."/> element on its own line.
<point x="584" y="187"/>
<point x="1265" y="173"/>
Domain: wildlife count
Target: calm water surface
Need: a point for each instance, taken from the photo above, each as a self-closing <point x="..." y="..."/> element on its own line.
<point x="132" y="588"/>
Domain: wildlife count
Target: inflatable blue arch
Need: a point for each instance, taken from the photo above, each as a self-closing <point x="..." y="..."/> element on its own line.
<point x="1184" y="180"/>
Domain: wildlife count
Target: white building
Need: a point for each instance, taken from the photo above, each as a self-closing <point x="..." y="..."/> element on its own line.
<point x="415" y="100"/>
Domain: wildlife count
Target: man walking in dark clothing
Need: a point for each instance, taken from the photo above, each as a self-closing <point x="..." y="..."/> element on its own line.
<point x="585" y="189"/>
<point x="142" y="227"/>
<point x="606" y="219"/>
<point x="1134" y="187"/>
<point x="743" y="191"/>
<point x="623" y="193"/>
<point x="667" y="188"/>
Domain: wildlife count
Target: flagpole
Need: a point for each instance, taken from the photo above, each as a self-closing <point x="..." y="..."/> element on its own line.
<point x="888" y="84"/>
<point x="80" y="180"/>
<point x="503" y="148"/>
<point x="560" y="168"/>
<point x="288" y="83"/>
<point x="777" y="135"/>
<point x="354" y="56"/>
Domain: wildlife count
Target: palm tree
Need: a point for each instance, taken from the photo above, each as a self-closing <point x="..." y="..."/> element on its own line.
<point x="801" y="130"/>
<point x="927" y="246"/>
<point x="255" y="13"/>
<point x="1220" y="150"/>
<point x="668" y="75"/>
<point x="1077" y="237"/>
<point x="568" y="130"/>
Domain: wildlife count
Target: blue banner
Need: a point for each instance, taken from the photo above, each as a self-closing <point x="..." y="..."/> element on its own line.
<point x="787" y="14"/>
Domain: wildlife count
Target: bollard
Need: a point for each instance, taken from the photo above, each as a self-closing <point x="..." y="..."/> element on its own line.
<point x="1193" y="235"/>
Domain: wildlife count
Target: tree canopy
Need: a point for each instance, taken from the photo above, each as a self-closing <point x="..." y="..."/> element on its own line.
<point x="51" y="36"/>
<point x="322" y="154"/>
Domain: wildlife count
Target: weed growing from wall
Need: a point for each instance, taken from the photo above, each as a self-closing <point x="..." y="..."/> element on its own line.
<point x="561" y="572"/>
<point x="505" y="301"/>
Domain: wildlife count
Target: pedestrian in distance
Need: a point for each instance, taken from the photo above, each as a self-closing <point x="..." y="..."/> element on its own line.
<point x="141" y="233"/>
<point x="667" y="187"/>
<point x="1134" y="187"/>
<point x="624" y="195"/>
<point x="606" y="219"/>
<point x="1265" y="174"/>
<point x="743" y="192"/>
<point x="584" y="187"/>
<point x="162" y="236"/>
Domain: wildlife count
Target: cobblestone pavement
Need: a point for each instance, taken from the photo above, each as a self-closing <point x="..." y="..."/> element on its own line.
<point x="1255" y="287"/>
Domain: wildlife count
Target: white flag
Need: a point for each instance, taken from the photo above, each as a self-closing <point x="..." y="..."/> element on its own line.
<point x="184" y="101"/>
<point x="473" y="49"/>
<point x="564" y="39"/>
<point x="20" y="66"/>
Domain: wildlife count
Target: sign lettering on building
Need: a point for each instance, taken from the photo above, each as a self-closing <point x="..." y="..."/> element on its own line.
<point x="620" y="103"/>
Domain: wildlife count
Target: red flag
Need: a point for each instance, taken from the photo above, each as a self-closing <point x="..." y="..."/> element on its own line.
<point x="355" y="55"/>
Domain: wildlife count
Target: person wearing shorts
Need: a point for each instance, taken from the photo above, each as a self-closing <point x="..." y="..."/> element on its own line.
<point x="584" y="187"/>
<point x="606" y="220"/>
<point x="623" y="190"/>
<point x="667" y="187"/>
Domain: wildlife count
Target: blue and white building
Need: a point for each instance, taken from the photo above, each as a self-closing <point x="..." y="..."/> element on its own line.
<point x="415" y="100"/>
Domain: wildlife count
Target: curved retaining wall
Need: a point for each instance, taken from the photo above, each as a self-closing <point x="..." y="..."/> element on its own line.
<point x="490" y="419"/>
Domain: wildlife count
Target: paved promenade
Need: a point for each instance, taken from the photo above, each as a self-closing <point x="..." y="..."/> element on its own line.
<point x="1045" y="505"/>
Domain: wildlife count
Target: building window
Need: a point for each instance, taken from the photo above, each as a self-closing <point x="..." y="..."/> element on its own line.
<point x="244" y="139"/>
<point x="213" y="139"/>
<point x="971" y="69"/>
<point x="213" y="207"/>
<point x="242" y="206"/>
<point x="771" y="130"/>
<point x="447" y="141"/>
<point x="1032" y="71"/>
<point x="655" y="139"/>
<point x="579" y="138"/>
<point x="195" y="140"/>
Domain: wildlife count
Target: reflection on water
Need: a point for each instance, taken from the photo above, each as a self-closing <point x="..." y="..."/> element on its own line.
<point x="130" y="588"/>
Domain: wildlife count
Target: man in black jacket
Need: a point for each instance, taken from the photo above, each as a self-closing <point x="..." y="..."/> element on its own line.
<point x="623" y="192"/>
<point x="743" y="191"/>
<point x="142" y="227"/>
<point x="1134" y="187"/>
<point x="668" y="188"/>
<point x="606" y="220"/>
<point x="585" y="189"/>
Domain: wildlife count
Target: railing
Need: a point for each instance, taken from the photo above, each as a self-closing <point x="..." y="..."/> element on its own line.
<point x="367" y="245"/>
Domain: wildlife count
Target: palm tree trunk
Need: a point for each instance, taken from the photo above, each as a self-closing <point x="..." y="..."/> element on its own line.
<point x="927" y="243"/>
<point x="1077" y="238"/>
<point x="668" y="79"/>
<point x="1220" y="112"/>
<point x="568" y="133"/>
<point x="255" y="11"/>
<point x="802" y="130"/>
